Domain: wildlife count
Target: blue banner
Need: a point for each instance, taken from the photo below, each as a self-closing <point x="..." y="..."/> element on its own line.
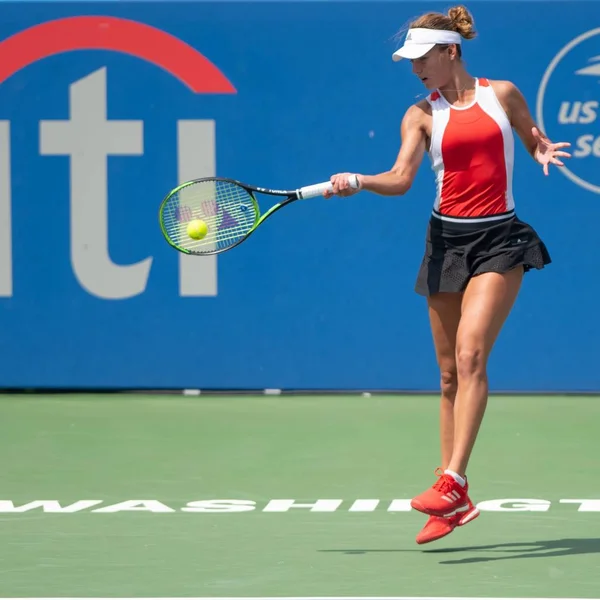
<point x="106" y="106"/>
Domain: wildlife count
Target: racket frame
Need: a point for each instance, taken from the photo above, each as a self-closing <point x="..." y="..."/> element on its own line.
<point x="288" y="195"/>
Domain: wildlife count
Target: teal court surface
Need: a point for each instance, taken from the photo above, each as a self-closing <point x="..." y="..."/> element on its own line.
<point x="168" y="496"/>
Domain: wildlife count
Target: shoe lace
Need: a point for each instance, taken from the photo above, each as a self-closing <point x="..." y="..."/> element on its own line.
<point x="445" y="483"/>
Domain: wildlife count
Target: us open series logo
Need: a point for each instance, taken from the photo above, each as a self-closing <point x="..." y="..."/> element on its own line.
<point x="567" y="106"/>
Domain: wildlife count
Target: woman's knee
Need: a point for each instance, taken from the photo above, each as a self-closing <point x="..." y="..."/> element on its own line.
<point x="449" y="380"/>
<point x="470" y="362"/>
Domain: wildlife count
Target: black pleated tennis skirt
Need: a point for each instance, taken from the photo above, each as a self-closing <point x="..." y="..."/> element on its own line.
<point x="455" y="252"/>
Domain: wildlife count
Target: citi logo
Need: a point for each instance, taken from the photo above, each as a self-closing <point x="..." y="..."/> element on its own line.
<point x="88" y="138"/>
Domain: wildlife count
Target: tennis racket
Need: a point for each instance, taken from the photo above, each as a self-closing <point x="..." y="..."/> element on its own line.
<point x="225" y="211"/>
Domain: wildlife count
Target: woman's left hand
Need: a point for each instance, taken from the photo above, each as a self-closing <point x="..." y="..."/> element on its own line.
<point x="546" y="152"/>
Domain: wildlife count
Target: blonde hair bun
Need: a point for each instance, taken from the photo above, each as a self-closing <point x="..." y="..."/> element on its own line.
<point x="462" y="21"/>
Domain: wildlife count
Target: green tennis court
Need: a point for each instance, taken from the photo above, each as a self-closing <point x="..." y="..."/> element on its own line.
<point x="159" y="496"/>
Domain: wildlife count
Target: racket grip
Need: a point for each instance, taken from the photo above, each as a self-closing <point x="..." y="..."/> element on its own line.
<point x="310" y="191"/>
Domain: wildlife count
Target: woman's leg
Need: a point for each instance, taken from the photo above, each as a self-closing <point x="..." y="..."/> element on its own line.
<point x="444" y="317"/>
<point x="487" y="302"/>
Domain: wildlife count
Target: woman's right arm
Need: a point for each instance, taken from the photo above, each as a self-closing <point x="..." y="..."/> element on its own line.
<point x="398" y="180"/>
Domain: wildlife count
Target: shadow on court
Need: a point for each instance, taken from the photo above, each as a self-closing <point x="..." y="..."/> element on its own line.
<point x="539" y="549"/>
<point x="509" y="551"/>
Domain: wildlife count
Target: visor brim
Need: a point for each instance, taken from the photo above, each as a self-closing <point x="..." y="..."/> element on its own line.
<point x="411" y="51"/>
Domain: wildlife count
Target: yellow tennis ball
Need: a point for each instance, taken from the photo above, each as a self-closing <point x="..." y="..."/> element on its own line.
<point x="197" y="229"/>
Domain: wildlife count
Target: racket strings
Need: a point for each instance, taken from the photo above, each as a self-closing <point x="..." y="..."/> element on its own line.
<point x="228" y="210"/>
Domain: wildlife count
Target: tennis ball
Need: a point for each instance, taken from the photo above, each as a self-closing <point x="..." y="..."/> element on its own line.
<point x="197" y="229"/>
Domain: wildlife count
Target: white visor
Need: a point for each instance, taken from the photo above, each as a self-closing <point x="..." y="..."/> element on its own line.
<point x="419" y="42"/>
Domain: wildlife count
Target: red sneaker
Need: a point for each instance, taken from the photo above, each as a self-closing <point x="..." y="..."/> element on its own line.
<point x="444" y="499"/>
<point x="439" y="527"/>
<point x="436" y="528"/>
<point x="469" y="515"/>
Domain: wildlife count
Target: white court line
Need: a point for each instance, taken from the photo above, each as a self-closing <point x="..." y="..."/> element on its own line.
<point x="305" y="598"/>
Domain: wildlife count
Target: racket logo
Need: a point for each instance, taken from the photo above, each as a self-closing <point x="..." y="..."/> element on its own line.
<point x="568" y="108"/>
<point x="183" y="214"/>
<point x="209" y="208"/>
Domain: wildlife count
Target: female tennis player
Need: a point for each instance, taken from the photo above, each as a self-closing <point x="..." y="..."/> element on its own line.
<point x="476" y="248"/>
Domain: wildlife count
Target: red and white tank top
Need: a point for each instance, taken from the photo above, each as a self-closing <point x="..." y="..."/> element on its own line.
<point x="472" y="156"/>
